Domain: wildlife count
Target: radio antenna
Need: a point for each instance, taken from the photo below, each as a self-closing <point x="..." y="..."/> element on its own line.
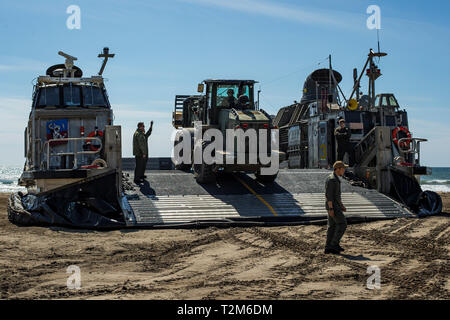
<point x="105" y="55"/>
<point x="378" y="39"/>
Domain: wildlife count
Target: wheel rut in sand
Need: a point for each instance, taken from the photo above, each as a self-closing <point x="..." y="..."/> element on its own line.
<point x="421" y="265"/>
<point x="228" y="263"/>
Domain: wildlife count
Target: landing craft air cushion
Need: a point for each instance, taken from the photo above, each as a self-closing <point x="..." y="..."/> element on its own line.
<point x="72" y="168"/>
<point x="387" y="157"/>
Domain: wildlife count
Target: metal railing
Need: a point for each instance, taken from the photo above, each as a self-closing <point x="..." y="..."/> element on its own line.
<point x="75" y="153"/>
<point x="414" y="147"/>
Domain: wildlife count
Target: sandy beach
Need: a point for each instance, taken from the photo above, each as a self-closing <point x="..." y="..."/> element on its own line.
<point x="231" y="263"/>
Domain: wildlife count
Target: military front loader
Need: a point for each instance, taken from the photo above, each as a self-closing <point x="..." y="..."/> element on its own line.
<point x="228" y="106"/>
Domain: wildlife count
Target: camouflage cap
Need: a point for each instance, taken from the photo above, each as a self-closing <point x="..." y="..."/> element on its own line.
<point x="339" y="164"/>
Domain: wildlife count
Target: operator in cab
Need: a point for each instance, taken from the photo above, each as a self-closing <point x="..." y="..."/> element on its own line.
<point x="243" y="102"/>
<point x="230" y="100"/>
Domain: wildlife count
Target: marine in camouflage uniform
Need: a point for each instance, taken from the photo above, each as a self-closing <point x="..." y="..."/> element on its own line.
<point x="337" y="224"/>
<point x="140" y="150"/>
<point x="342" y="134"/>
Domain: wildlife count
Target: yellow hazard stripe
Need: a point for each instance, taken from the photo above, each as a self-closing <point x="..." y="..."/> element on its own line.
<point x="257" y="195"/>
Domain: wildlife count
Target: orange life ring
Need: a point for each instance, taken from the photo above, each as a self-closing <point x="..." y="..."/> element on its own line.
<point x="404" y="144"/>
<point x="89" y="142"/>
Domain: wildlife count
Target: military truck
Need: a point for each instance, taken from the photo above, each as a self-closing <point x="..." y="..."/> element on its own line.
<point x="226" y="105"/>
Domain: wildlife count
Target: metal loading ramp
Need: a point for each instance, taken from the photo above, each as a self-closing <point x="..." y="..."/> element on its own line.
<point x="173" y="198"/>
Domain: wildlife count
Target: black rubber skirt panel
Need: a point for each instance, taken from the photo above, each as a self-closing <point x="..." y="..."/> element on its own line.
<point x="92" y="205"/>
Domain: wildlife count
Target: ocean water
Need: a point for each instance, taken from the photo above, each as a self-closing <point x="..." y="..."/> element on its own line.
<point x="9" y="176"/>
<point x="439" y="181"/>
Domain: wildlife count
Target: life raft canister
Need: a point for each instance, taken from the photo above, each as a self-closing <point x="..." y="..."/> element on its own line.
<point x="95" y="133"/>
<point x="401" y="133"/>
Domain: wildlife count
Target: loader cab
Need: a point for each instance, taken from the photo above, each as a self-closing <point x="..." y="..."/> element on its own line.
<point x="217" y="97"/>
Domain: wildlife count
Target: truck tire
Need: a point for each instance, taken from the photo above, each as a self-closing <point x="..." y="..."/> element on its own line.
<point x="203" y="173"/>
<point x="181" y="166"/>
<point x="265" y="179"/>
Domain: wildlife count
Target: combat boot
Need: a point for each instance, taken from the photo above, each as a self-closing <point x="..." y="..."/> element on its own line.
<point x="331" y="250"/>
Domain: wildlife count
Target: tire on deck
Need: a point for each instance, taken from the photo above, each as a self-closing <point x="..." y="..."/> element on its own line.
<point x="203" y="173"/>
<point x="265" y="179"/>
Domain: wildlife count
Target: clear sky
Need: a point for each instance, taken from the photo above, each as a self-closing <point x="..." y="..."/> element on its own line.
<point x="166" y="47"/>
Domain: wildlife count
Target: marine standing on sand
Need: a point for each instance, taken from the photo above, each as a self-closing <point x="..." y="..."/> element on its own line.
<point x="342" y="134"/>
<point x="140" y="150"/>
<point x="333" y="203"/>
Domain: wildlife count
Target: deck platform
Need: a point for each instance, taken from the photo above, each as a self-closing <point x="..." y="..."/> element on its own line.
<point x="174" y="198"/>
